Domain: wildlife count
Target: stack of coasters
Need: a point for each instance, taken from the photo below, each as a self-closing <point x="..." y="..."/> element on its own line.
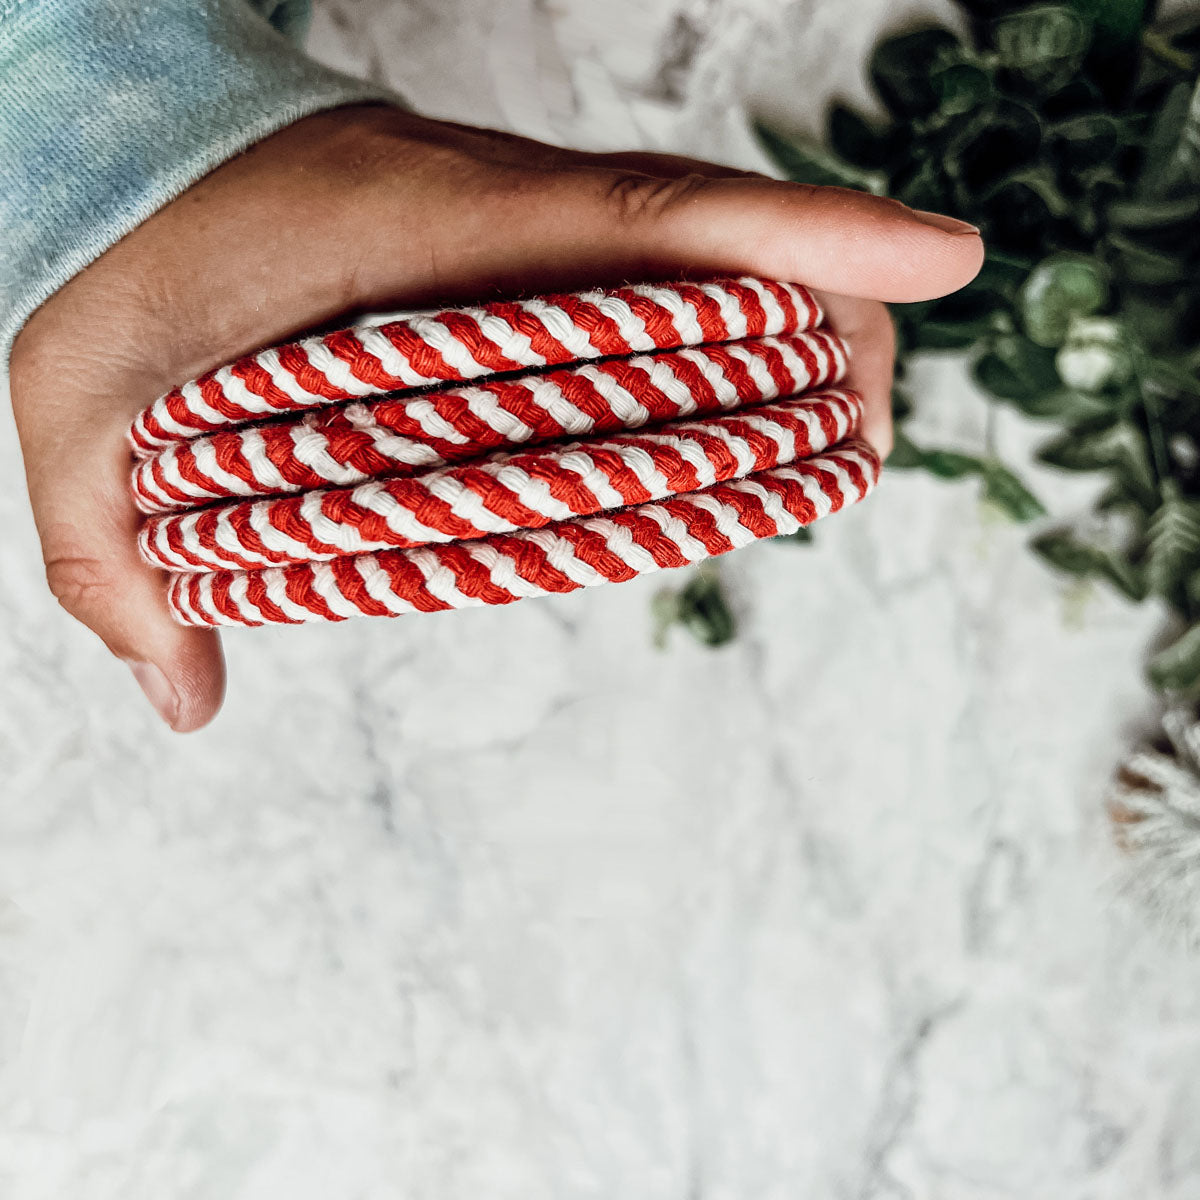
<point x="482" y="455"/>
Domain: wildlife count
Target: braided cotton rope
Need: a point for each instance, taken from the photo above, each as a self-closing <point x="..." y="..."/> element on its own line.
<point x="481" y="455"/>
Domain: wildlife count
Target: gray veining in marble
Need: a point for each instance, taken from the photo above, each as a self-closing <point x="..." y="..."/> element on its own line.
<point x="508" y="904"/>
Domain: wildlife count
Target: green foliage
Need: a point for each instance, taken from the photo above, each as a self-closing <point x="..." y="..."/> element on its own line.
<point x="802" y="537"/>
<point x="1042" y="47"/>
<point x="1073" y="556"/>
<point x="1059" y="288"/>
<point x="1173" y="546"/>
<point x="699" y="607"/>
<point x="1070" y="134"/>
<point x="1001" y="488"/>
<point x="817" y="165"/>
<point x="1177" y="668"/>
<point x="903" y="70"/>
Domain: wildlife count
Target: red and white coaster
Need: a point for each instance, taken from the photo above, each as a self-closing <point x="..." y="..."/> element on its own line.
<point x="600" y="436"/>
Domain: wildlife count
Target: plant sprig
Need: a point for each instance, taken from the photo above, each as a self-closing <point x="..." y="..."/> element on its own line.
<point x="1070" y="134"/>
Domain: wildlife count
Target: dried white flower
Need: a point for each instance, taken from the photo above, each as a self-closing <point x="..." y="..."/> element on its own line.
<point x="1155" y="805"/>
<point x="1094" y="355"/>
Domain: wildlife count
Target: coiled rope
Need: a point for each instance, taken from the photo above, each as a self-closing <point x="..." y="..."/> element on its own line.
<point x="481" y="455"/>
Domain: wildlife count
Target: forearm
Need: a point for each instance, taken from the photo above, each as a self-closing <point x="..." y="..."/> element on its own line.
<point x="111" y="108"/>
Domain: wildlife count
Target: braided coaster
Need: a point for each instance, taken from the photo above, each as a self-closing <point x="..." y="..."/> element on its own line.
<point x="603" y="435"/>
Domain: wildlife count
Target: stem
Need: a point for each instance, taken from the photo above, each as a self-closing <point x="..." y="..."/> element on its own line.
<point x="1167" y="486"/>
<point x="1158" y="46"/>
<point x="1158" y="445"/>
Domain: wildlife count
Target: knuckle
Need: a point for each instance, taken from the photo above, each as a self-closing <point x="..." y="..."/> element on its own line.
<point x="77" y="581"/>
<point x="635" y="198"/>
<point x="385" y="149"/>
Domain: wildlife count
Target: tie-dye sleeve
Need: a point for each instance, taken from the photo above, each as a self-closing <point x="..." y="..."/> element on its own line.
<point x="111" y="108"/>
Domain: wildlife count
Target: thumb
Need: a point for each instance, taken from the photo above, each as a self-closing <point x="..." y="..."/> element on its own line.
<point x="566" y="226"/>
<point x="832" y="239"/>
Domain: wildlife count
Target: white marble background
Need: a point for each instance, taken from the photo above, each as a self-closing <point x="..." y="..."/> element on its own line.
<point x="510" y="905"/>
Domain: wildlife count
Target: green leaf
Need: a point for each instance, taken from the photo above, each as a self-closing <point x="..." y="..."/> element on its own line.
<point x="1002" y="272"/>
<point x="802" y="537"/>
<point x="805" y="162"/>
<point x="1044" y="45"/>
<point x="1078" y="96"/>
<point x="1132" y="490"/>
<point x="997" y="141"/>
<point x="1075" y="408"/>
<point x="1003" y="489"/>
<point x="1172" y="164"/>
<point x="1059" y="288"/>
<point x="1174" y="544"/>
<point x="1170" y="52"/>
<point x="901" y="69"/>
<point x="1117" y="22"/>
<point x="1155" y="315"/>
<point x="703" y="610"/>
<point x="1125" y="577"/>
<point x="1027" y="211"/>
<point x="923" y="184"/>
<point x="1143" y="265"/>
<point x="1038" y="182"/>
<point x="1193" y="591"/>
<point x="1177" y="668"/>
<point x="1159" y="215"/>
<point x="945" y="464"/>
<point x="950" y="464"/>
<point x="1088" y="140"/>
<point x="961" y="87"/>
<point x="959" y="320"/>
<point x="699" y="606"/>
<point x="905" y="455"/>
<point x="988" y="10"/>
<point x="1094" y="449"/>
<point x="1070" y="407"/>
<point x="933" y="334"/>
<point x="1173" y="376"/>
<point x="1017" y="370"/>
<point x="999" y="379"/>
<point x="1158" y="172"/>
<point x="1077" y="450"/>
<point x="1098" y="187"/>
<point x="1069" y="554"/>
<point x="860" y="142"/>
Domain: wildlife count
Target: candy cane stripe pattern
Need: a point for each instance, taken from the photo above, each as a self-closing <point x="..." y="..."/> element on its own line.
<point x="371" y="360"/>
<point x="504" y="492"/>
<point x="482" y="455"/>
<point x="357" y="441"/>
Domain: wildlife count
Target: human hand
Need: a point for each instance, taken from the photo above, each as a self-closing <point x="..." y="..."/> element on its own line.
<point x="373" y="208"/>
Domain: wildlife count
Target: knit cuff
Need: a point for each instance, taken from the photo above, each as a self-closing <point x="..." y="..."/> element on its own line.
<point x="110" y="109"/>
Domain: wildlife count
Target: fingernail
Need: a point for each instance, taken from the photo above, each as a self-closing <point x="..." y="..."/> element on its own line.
<point x="944" y="223"/>
<point x="158" y="691"/>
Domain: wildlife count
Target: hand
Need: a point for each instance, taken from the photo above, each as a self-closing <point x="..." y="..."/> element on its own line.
<point x="373" y="208"/>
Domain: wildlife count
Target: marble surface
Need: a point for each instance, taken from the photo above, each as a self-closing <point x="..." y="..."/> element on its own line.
<point x="512" y="905"/>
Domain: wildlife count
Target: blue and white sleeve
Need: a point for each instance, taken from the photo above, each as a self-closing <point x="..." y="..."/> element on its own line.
<point x="109" y="109"/>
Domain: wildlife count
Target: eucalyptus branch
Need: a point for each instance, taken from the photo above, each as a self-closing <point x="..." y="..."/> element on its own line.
<point x="1071" y="136"/>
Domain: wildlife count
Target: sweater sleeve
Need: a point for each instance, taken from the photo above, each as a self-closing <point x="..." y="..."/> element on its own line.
<point x="111" y="108"/>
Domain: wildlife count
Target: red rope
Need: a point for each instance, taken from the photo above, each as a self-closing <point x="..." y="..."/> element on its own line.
<point x="360" y="471"/>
